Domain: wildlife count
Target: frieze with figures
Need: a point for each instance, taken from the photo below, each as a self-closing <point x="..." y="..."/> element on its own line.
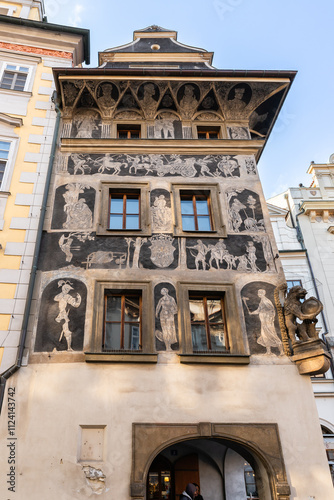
<point x="248" y="254"/>
<point x="157" y="165"/>
<point x="244" y="211"/>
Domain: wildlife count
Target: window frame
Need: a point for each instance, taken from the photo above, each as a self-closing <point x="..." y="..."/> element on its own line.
<point x="14" y="143"/>
<point x="237" y="353"/>
<point x="129" y="127"/>
<point x="18" y="62"/>
<point x="147" y="353"/>
<point x="207" y="129"/>
<point x="141" y="188"/>
<point x="218" y="228"/>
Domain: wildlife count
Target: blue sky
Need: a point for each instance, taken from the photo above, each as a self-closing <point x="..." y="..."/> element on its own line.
<point x="243" y="34"/>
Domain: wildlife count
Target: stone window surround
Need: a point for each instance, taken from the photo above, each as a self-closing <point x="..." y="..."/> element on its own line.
<point x="106" y="188"/>
<point x="237" y="353"/>
<point x="147" y="353"/>
<point x="219" y="229"/>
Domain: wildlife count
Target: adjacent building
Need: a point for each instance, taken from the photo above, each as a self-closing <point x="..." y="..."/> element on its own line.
<point x="302" y="220"/>
<point x="29" y="49"/>
<point x="156" y="351"/>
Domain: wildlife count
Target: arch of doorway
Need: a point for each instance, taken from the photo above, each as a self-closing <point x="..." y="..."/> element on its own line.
<point x="258" y="443"/>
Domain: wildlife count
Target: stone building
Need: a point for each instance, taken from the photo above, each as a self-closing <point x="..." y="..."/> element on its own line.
<point x="157" y="352"/>
<point x="29" y="49"/>
<point x="302" y="220"/>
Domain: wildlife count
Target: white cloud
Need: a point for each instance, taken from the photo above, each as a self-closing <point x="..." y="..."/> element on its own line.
<point x="75" y="18"/>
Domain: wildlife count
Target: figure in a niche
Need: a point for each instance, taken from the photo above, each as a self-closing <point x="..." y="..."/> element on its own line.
<point x="167" y="308"/>
<point x="189" y="101"/>
<point x="85" y="123"/>
<point x="78" y="214"/>
<point x="105" y="100"/>
<point x="161" y="214"/>
<point x="65" y="300"/>
<point x="266" y="311"/>
<point x="164" y="126"/>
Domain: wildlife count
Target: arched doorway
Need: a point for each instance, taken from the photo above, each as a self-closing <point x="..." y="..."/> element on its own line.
<point x="256" y="444"/>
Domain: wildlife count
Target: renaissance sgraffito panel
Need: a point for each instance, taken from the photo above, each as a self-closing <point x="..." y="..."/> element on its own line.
<point x="73" y="207"/>
<point x="61" y="318"/>
<point x="161" y="211"/>
<point x="244" y="211"/>
<point x="166" y="328"/>
<point x="160" y="251"/>
<point x="159" y="165"/>
<point x="261" y="318"/>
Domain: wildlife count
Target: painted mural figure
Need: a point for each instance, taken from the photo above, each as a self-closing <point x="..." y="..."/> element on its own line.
<point x="164" y="127"/>
<point x="85" y="123"/>
<point x="106" y="100"/>
<point x="266" y="311"/>
<point x="161" y="214"/>
<point x="148" y="102"/>
<point x="80" y="164"/>
<point x="189" y="101"/>
<point x="202" y="250"/>
<point x="65" y="300"/>
<point x="106" y="162"/>
<point x="234" y="214"/>
<point x="78" y="214"/>
<point x="251" y="251"/>
<point x="65" y="243"/>
<point x="227" y="166"/>
<point x="167" y="308"/>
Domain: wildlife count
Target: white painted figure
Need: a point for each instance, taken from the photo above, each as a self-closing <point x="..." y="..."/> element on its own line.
<point x="167" y="309"/>
<point x="65" y="300"/>
<point x="161" y="214"/>
<point x="85" y="123"/>
<point x="78" y="214"/>
<point x="266" y="311"/>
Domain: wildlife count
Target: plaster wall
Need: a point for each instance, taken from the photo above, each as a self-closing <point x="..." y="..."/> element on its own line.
<point x="51" y="408"/>
<point x="234" y="476"/>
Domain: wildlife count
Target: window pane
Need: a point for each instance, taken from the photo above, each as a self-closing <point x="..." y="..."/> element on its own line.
<point x="213" y="135"/>
<point x="196" y="310"/>
<point x="188" y="223"/>
<point x="4" y="155"/>
<point x="23" y="68"/>
<point x="132" y="222"/>
<point x="198" y="334"/>
<point x="201" y="135"/>
<point x="116" y="205"/>
<point x="217" y="334"/>
<point x="131" y="336"/>
<point x="214" y="310"/>
<point x="202" y="207"/>
<point x="10" y="66"/>
<point x="112" y="338"/>
<point x="4" y="145"/>
<point x="116" y="222"/>
<point x="131" y="312"/>
<point x="122" y="134"/>
<point x="113" y="312"/>
<point x="135" y="134"/>
<point x="187" y="207"/>
<point x="204" y="223"/>
<point x="132" y="206"/>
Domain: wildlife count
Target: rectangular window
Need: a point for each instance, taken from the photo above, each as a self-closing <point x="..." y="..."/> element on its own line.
<point x="122" y="321"/>
<point x="14" y="77"/>
<point x="195" y="211"/>
<point x="128" y="131"/>
<point x="4" y="154"/>
<point x="208" y="132"/>
<point x="208" y="325"/>
<point x="124" y="211"/>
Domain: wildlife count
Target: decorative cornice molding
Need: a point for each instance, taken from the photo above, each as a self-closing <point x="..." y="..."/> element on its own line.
<point x="36" y="50"/>
<point x="10" y="120"/>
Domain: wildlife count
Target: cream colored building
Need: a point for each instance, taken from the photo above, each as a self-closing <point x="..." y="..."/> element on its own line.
<point x="29" y="49"/>
<point x="303" y="224"/>
<point x="155" y="356"/>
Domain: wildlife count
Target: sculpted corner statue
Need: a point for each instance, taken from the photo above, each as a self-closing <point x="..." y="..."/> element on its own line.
<point x="296" y="308"/>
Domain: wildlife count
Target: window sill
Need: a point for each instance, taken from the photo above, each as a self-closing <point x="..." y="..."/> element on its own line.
<point x="20" y="93"/>
<point x="123" y="232"/>
<point x="215" y="359"/>
<point x="135" y="357"/>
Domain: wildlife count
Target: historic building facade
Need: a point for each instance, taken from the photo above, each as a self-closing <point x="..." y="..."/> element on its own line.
<point x="302" y="220"/>
<point x="158" y="350"/>
<point x="29" y="49"/>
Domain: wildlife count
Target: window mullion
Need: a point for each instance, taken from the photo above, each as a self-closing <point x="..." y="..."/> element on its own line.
<point x="195" y="212"/>
<point x="207" y="324"/>
<point x="122" y="321"/>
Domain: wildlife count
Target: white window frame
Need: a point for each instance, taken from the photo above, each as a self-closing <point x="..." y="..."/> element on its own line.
<point x="28" y="61"/>
<point x="14" y="143"/>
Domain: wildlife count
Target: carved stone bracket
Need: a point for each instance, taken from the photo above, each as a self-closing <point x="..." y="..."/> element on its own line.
<point x="311" y="357"/>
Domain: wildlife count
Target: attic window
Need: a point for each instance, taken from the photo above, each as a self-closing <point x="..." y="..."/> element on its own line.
<point x="155" y="47"/>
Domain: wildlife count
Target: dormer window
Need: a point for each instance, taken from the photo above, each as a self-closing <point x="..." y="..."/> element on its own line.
<point x="128" y="131"/>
